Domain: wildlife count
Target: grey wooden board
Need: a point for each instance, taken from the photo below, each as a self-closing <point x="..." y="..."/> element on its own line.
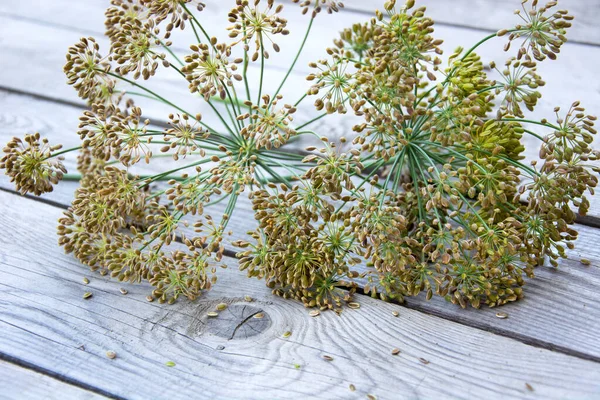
<point x="21" y="383"/>
<point x="498" y="14"/>
<point x="45" y="322"/>
<point x="561" y="309"/>
<point x="44" y="39"/>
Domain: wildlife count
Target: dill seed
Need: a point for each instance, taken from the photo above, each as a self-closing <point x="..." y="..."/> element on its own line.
<point x="86" y="281"/>
<point x="352" y="387"/>
<point x="111" y="354"/>
<point x="259" y="315"/>
<point x="287" y="334"/>
<point x="123" y="291"/>
<point x="87" y="295"/>
<point x="395" y="313"/>
<point x="585" y="261"/>
<point x="212" y="314"/>
<point x="150" y="299"/>
<point x="248" y="299"/>
<point x="170" y="364"/>
<point x="354" y="305"/>
<point x="424" y="361"/>
<point x="371" y="397"/>
<point x="502" y="315"/>
<point x="314" y="313"/>
<point x="297" y="366"/>
<point x="529" y="387"/>
<point x="395" y="352"/>
<point x="221" y="307"/>
<point x="327" y="358"/>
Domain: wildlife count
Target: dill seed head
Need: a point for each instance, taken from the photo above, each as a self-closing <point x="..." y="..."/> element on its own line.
<point x="317" y="6"/>
<point x="32" y="164"/>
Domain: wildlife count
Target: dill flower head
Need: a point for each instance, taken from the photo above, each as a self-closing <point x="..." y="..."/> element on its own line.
<point x="543" y="31"/>
<point x="184" y="136"/>
<point x="134" y="48"/>
<point x="86" y="69"/>
<point x="32" y="164"/>
<point x="208" y="69"/>
<point x="335" y="81"/>
<point x="269" y="127"/>
<point x="250" y="23"/>
<point x="122" y="11"/>
<point x="160" y="10"/>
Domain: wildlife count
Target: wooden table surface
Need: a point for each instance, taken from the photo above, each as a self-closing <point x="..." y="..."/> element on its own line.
<point x="53" y="343"/>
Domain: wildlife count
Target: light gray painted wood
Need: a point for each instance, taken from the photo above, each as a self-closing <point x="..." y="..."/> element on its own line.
<point x="21" y="383"/>
<point x="561" y="309"/>
<point x="45" y="321"/>
<point x="498" y="14"/>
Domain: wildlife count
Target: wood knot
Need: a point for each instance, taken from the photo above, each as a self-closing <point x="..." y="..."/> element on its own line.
<point x="238" y="321"/>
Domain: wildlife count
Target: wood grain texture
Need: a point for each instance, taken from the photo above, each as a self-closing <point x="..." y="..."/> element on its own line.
<point x="45" y="321"/>
<point x="493" y="15"/>
<point x="20" y="383"/>
<point x="561" y="309"/>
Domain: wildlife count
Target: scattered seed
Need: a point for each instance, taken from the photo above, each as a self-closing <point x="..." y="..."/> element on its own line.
<point x="395" y="313"/>
<point x="424" y="361"/>
<point x="170" y="364"/>
<point x="314" y="313"/>
<point x="86" y="281"/>
<point x="259" y="315"/>
<point x="371" y="397"/>
<point x="297" y="366"/>
<point x="150" y="299"/>
<point x="529" y="387"/>
<point x="287" y="334"/>
<point x="220" y="347"/>
<point x="248" y="299"/>
<point x="111" y="354"/>
<point x="585" y="261"/>
<point x="212" y="314"/>
<point x="502" y="315"/>
<point x="123" y="291"/>
<point x="354" y="305"/>
<point x="221" y="306"/>
<point x="395" y="352"/>
<point x="82" y="348"/>
<point x="87" y="295"/>
<point x="327" y="358"/>
<point x="352" y="387"/>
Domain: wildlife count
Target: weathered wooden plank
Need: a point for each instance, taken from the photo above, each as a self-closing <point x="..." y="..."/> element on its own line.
<point x="42" y="47"/>
<point x="45" y="321"/>
<point x="21" y="383"/>
<point x="561" y="308"/>
<point x="494" y="15"/>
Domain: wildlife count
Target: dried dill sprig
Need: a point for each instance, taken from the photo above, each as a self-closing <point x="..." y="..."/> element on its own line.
<point x="431" y="195"/>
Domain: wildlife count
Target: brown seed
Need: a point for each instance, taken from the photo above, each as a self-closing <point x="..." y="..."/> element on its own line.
<point x="502" y="315"/>
<point x="585" y="261"/>
<point x="248" y="299"/>
<point x="221" y="306"/>
<point x="314" y="313"/>
<point x="150" y="298"/>
<point x="212" y="314"/>
<point x="327" y="358"/>
<point x="259" y="315"/>
<point x="123" y="291"/>
<point x="529" y="387"/>
<point x="395" y="352"/>
<point x="371" y="397"/>
<point x="86" y="281"/>
<point x="287" y="334"/>
<point x="424" y="361"/>
<point x="111" y="354"/>
<point x="352" y="387"/>
<point x="87" y="295"/>
<point x="395" y="313"/>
